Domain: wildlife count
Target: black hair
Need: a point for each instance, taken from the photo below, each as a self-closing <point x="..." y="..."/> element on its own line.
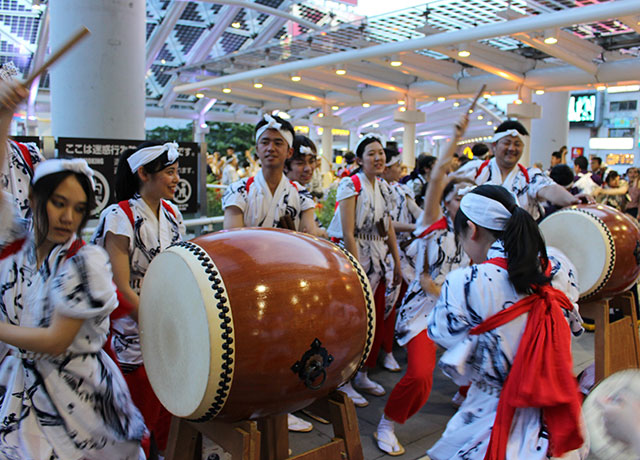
<point x="452" y="183"/>
<point x="512" y="124"/>
<point x="284" y="124"/>
<point x="42" y="190"/>
<point x="598" y="159"/>
<point x="524" y="245"/>
<point x="423" y="162"/>
<point x="557" y="155"/>
<point x="389" y="154"/>
<point x="127" y="182"/>
<point x="562" y="175"/>
<point x="611" y="175"/>
<point x="362" y="145"/>
<point x="299" y="141"/>
<point x="479" y="150"/>
<point x="582" y="163"/>
<point x="349" y="157"/>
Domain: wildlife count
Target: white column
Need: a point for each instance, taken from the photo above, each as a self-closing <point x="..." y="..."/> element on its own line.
<point x="327" y="121"/>
<point x="550" y="132"/>
<point x="98" y="89"/>
<point x="410" y="117"/>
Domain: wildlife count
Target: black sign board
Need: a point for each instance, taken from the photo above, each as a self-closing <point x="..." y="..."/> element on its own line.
<point x="102" y="155"/>
<point x="28" y="139"/>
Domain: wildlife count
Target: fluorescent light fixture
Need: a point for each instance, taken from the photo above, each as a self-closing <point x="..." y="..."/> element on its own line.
<point x="611" y="143"/>
<point x="623" y="89"/>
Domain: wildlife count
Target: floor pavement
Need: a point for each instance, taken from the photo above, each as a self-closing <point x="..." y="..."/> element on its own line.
<point x="424" y="428"/>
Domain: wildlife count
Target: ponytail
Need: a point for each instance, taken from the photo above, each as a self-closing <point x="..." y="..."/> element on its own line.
<point x="524" y="245"/>
<point x="128" y="183"/>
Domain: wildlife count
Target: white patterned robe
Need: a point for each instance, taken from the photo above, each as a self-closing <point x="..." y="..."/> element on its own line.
<point x="72" y="406"/>
<point x="148" y="237"/>
<point x="375" y="202"/>
<point x="444" y="254"/>
<point x="16" y="174"/>
<point x="469" y="296"/>
<point x="516" y="182"/>
<point x="263" y="209"/>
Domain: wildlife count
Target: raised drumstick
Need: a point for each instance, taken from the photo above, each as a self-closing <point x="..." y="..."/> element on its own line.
<point x="73" y="41"/>
<point x="473" y="104"/>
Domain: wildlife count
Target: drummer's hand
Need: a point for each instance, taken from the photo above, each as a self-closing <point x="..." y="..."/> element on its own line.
<point x="429" y="286"/>
<point x="11" y="94"/>
<point x="397" y="274"/>
<point x="585" y="198"/>
<point x="619" y="414"/>
<point x="461" y="127"/>
<point x="597" y="191"/>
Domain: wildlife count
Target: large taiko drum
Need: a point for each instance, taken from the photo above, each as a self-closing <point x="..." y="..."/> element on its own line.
<point x="602" y="243"/>
<point x="247" y="323"/>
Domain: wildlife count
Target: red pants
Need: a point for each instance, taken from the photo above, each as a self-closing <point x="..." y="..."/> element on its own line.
<point x="156" y="417"/>
<point x="384" y="328"/>
<point x="412" y="391"/>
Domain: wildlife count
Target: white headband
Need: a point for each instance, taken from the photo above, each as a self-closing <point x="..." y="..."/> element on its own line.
<point x="367" y="136"/>
<point x="304" y="150"/>
<point x="509" y="132"/>
<point x="394" y="159"/>
<point x="76" y="165"/>
<point x="484" y="211"/>
<point x="273" y="124"/>
<point x="148" y="154"/>
<point x="458" y="190"/>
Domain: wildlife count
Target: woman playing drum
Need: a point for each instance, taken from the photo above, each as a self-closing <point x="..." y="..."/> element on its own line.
<point x="506" y="323"/>
<point x="133" y="232"/>
<point x="62" y="396"/>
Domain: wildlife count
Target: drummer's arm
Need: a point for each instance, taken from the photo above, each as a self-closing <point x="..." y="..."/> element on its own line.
<point x="555" y="194"/>
<point x="347" y="211"/>
<point x="308" y="222"/>
<point x="52" y="340"/>
<point x="117" y="246"/>
<point x="233" y="217"/>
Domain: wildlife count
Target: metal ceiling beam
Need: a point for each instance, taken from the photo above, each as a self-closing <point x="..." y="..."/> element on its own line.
<point x="415" y="71"/>
<point x="161" y="33"/>
<point x="264" y="9"/>
<point x="563" y="18"/>
<point x="317" y="83"/>
<point x="38" y="60"/>
<point x="559" y="52"/>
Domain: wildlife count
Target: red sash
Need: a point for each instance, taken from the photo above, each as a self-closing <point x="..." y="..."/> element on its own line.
<point x="440" y="224"/>
<point x="541" y="375"/>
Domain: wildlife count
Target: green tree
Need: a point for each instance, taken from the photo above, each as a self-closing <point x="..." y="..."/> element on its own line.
<point x="236" y="135"/>
<point x="168" y="134"/>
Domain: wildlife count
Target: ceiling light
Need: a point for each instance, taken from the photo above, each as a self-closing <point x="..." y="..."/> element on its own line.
<point x="366" y="105"/>
<point x="463" y="50"/>
<point x="518" y="101"/>
<point x="295" y="77"/>
<point x="257" y="84"/>
<point x="163" y="61"/>
<point x="226" y="90"/>
<point x="402" y="109"/>
<point x="320" y="115"/>
<point x="623" y="89"/>
<point x="550" y="36"/>
<point x="395" y="62"/>
<point x="199" y="95"/>
<point x="442" y="99"/>
<point x="335" y="107"/>
<point x="601" y="88"/>
<point x="486" y="95"/>
<point x="480" y="117"/>
<point x="489" y="123"/>
<point x="470" y="110"/>
<point x="539" y="92"/>
<point x="401" y="102"/>
<point x="235" y="25"/>
<point x="340" y="70"/>
<point x="203" y="125"/>
<point x="376" y="125"/>
<point x="392" y="138"/>
<point x="456" y="104"/>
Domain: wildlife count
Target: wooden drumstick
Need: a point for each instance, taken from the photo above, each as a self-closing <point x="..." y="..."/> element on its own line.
<point x="473" y="104"/>
<point x="73" y="41"/>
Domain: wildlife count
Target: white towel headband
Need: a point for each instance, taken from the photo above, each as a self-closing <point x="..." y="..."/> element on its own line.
<point x="76" y="165"/>
<point x="273" y="124"/>
<point x="305" y="150"/>
<point x="484" y="211"/>
<point x="368" y="136"/>
<point x="509" y="132"/>
<point x="148" y="154"/>
<point x="394" y="159"/>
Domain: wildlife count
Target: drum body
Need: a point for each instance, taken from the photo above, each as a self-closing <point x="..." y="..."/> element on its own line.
<point x="247" y="323"/>
<point x="602" y="243"/>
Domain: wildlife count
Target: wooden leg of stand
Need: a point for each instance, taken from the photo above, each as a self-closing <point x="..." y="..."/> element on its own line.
<point x="274" y="437"/>
<point x="184" y="441"/>
<point x="599" y="312"/>
<point x="624" y="334"/>
<point x="241" y="440"/>
<point x="345" y="424"/>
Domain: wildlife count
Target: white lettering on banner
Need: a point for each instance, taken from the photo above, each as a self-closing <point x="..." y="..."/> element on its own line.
<point x="183" y="192"/>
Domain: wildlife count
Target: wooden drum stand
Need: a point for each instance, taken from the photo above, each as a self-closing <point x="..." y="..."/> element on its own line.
<point x="617" y="345"/>
<point x="268" y="438"/>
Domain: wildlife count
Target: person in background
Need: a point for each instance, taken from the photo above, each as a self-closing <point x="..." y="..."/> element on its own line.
<point x="633" y="179"/>
<point x="230" y="170"/>
<point x="614" y="192"/>
<point x="598" y="171"/>
<point x="418" y="180"/>
<point x="582" y="181"/>
<point x="480" y="151"/>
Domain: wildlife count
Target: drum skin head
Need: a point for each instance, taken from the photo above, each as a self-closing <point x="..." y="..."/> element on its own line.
<point x="603" y="445"/>
<point x="586" y="241"/>
<point x="228" y="320"/>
